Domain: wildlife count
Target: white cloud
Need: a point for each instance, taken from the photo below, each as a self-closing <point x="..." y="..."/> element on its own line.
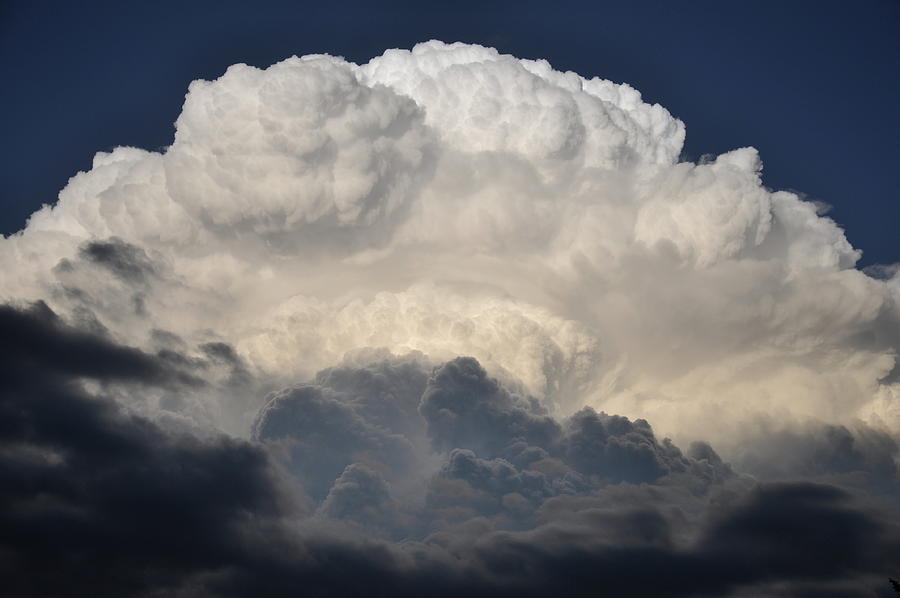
<point x="456" y="201"/>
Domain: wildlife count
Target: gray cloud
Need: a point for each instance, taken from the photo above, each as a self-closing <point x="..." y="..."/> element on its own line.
<point x="402" y="328"/>
<point x="158" y="512"/>
<point x="347" y="415"/>
<point x="859" y="455"/>
<point x="123" y="260"/>
<point x="465" y="408"/>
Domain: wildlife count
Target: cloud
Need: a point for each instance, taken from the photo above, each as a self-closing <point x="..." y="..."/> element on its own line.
<point x="360" y="495"/>
<point x="618" y="449"/>
<point x="348" y="415"/>
<point x="84" y="481"/>
<point x="125" y="261"/>
<point x="457" y="201"/>
<point x="465" y="408"/>
<point x="41" y="345"/>
<point x="169" y="512"/>
<point x="413" y="320"/>
<point x="333" y="153"/>
<point x="634" y="552"/>
<point x="858" y="456"/>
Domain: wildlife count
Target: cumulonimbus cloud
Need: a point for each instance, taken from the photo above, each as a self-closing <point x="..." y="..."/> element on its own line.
<point x="456" y="201"/>
<point x="441" y="293"/>
<point x="394" y="475"/>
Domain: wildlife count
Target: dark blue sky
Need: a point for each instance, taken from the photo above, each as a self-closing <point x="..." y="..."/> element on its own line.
<point x="814" y="85"/>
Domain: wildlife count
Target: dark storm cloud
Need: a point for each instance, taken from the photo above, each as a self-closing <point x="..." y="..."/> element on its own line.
<point x="527" y="506"/>
<point x="467" y="487"/>
<point x="801" y="529"/>
<point x="792" y="535"/>
<point x="221" y="352"/>
<point x="500" y="450"/>
<point x="860" y="455"/>
<point x="99" y="501"/>
<point x="465" y="408"/>
<point x="224" y="355"/>
<point x="619" y="449"/>
<point x="323" y="435"/>
<point x="347" y="415"/>
<point x="37" y="344"/>
<point x="124" y="260"/>
<point x="495" y="476"/>
<point x="362" y="496"/>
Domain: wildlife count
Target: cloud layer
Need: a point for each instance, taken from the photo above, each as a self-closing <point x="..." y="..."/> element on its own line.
<point x="415" y="318"/>
<point x="353" y="485"/>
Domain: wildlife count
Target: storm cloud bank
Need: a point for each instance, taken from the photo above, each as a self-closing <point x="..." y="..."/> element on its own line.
<point x="428" y="325"/>
<point x="352" y="484"/>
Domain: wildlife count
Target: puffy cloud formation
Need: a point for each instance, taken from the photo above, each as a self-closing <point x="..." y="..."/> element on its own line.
<point x="456" y="201"/>
<point x="161" y="512"/>
<point x="348" y="415"/>
<point x="414" y="319"/>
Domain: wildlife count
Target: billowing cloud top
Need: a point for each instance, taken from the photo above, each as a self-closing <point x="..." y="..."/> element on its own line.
<point x="438" y="297"/>
<point x="454" y="200"/>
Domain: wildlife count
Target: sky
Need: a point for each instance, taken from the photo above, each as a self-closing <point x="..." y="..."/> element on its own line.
<point x="427" y="300"/>
<point x="812" y="85"/>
